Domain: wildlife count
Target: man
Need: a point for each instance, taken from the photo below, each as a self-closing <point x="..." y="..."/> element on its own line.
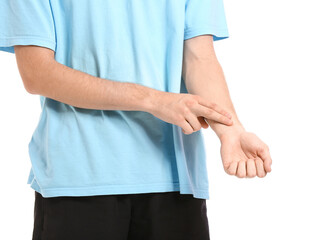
<point x="125" y="87"/>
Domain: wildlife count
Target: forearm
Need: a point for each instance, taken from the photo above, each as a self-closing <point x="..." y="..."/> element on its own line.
<point x="76" y="88"/>
<point x="204" y="76"/>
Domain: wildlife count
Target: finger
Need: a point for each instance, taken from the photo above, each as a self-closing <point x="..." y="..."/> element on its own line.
<point x="260" y="167"/>
<point x="264" y="154"/>
<point x="203" y="123"/>
<point x="214" y="106"/>
<point x="193" y="121"/>
<point x="232" y="169"/>
<point x="251" y="168"/>
<point x="209" y="113"/>
<point x="186" y="127"/>
<point x="241" y="171"/>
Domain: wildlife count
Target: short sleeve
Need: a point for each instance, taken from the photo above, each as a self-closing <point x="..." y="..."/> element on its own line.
<point x="26" y="22"/>
<point x="205" y="17"/>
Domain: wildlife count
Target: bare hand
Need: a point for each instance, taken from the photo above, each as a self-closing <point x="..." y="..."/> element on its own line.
<point x="188" y="111"/>
<point x="244" y="154"/>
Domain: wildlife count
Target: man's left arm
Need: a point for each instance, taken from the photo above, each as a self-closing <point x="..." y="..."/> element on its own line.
<point x="243" y="153"/>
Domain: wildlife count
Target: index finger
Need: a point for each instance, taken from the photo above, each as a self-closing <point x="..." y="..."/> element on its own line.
<point x="214" y="106"/>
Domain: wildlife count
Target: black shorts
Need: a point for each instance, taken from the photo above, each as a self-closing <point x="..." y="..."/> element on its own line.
<point x="143" y="216"/>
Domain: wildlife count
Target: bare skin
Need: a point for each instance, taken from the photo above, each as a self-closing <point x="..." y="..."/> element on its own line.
<point x="243" y="153"/>
<point x="42" y="75"/>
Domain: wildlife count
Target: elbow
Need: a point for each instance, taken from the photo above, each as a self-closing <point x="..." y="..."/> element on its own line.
<point x="31" y="90"/>
<point x="30" y="83"/>
<point x="35" y="78"/>
<point x="33" y="63"/>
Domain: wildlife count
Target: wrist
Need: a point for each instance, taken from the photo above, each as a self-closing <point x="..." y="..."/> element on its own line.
<point x="150" y="104"/>
<point x="232" y="130"/>
<point x="222" y="130"/>
<point x="142" y="98"/>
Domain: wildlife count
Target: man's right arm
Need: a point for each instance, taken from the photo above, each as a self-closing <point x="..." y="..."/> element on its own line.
<point x="43" y="75"/>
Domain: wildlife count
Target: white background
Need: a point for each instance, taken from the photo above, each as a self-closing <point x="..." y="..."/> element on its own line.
<point x="275" y="66"/>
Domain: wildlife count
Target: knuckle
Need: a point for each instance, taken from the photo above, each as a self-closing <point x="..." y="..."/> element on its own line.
<point x="192" y="100"/>
<point x="213" y="105"/>
<point x="209" y="112"/>
<point x="191" y="105"/>
<point x="185" y="110"/>
<point x="261" y="148"/>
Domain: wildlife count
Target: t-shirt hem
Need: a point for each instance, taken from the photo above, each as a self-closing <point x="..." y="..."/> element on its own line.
<point x="7" y="44"/>
<point x="122" y="189"/>
<point x="218" y="33"/>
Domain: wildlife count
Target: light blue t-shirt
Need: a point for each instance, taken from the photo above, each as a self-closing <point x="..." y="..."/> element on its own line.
<point x="82" y="152"/>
